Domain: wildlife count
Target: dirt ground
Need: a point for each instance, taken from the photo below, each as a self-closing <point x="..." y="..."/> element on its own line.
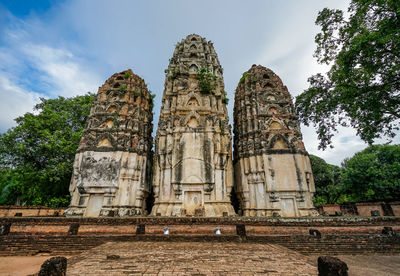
<point x="372" y="265"/>
<point x="359" y="265"/>
<point x="21" y="265"/>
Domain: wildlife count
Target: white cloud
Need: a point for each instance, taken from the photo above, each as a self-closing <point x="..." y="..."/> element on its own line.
<point x="61" y="70"/>
<point x="15" y="101"/>
<point x="345" y="144"/>
<point x="72" y="50"/>
<point x="291" y="57"/>
<point x="29" y="70"/>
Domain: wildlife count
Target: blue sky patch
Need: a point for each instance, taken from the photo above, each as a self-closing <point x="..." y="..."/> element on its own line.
<point x="66" y="48"/>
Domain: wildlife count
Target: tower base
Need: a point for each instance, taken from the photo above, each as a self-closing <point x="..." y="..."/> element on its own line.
<point x="124" y="211"/>
<point x="209" y="209"/>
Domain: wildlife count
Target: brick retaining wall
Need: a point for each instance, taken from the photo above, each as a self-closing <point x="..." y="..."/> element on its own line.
<point x="70" y="236"/>
<point x="361" y="209"/>
<point x="365" y="209"/>
<point x="13" y="245"/>
<point x="29" y="211"/>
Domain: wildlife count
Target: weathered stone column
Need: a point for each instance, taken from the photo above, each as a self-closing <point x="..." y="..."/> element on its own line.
<point x="112" y="168"/>
<point x="272" y="169"/>
<point x="193" y="161"/>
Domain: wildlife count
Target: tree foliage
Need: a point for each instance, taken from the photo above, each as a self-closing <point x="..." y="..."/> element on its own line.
<point x="327" y="181"/>
<point x="373" y="174"/>
<point x="362" y="86"/>
<point x="370" y="175"/>
<point x="36" y="156"/>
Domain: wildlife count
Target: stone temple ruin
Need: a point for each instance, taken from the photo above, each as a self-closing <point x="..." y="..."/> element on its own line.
<point x="193" y="159"/>
<point x="192" y="170"/>
<point x="111" y="173"/>
<point x="272" y="170"/>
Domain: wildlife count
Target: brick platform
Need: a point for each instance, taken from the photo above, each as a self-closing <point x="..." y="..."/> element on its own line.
<point x="71" y="236"/>
<point x="190" y="258"/>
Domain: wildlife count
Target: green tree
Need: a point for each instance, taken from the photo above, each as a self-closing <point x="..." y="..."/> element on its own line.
<point x="362" y="87"/>
<point x="373" y="174"/>
<point x="9" y="187"/>
<point x="327" y="181"/>
<point x="37" y="155"/>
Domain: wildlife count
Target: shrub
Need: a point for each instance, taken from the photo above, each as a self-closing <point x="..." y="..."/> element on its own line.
<point x="206" y="80"/>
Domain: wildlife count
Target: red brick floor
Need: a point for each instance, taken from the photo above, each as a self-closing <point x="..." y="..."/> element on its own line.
<point x="190" y="258"/>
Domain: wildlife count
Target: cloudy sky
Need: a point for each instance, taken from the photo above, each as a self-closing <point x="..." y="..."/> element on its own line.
<point x="50" y="48"/>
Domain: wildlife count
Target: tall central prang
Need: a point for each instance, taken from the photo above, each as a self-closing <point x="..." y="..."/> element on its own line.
<point x="193" y="156"/>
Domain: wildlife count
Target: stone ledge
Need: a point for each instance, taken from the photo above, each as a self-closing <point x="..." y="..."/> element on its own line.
<point x="256" y="221"/>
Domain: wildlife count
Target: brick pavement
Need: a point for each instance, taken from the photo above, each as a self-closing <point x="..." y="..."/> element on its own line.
<point x="190" y="258"/>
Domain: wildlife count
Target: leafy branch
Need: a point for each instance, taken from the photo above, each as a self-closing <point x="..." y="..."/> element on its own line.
<point x="225" y="99"/>
<point x="151" y="100"/>
<point x="243" y="78"/>
<point x="122" y="87"/>
<point x="128" y="75"/>
<point x="206" y="80"/>
<point x="362" y="87"/>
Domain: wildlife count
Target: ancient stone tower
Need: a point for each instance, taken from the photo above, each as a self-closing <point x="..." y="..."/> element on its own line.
<point x="272" y="170"/>
<point x="112" y="165"/>
<point x="193" y="162"/>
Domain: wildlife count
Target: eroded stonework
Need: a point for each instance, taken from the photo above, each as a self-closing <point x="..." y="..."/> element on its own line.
<point x="273" y="174"/>
<point x="111" y="173"/>
<point x="193" y="162"/>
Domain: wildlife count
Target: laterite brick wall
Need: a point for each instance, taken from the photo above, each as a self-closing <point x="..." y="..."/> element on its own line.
<point x="328" y="235"/>
<point x="29" y="211"/>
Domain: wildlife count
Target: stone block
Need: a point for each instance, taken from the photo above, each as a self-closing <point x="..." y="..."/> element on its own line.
<point x="331" y="266"/>
<point x="375" y="213"/>
<point x="56" y="266"/>
<point x="5" y="229"/>
<point x="141" y="229"/>
<point x="388" y="231"/>
<point x="241" y="230"/>
<point x="73" y="229"/>
<point x="315" y="233"/>
<point x="387" y="209"/>
<point x="113" y="257"/>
